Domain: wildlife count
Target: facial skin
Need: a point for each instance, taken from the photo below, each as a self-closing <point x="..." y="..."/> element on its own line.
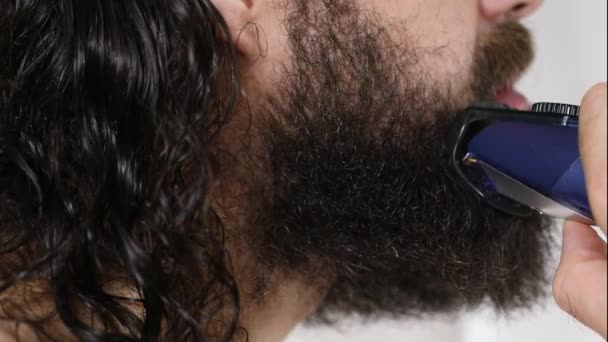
<point x="444" y="33"/>
<point x="358" y="213"/>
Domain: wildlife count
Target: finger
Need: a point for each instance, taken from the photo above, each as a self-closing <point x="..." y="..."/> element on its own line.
<point x="592" y="145"/>
<point x="579" y="286"/>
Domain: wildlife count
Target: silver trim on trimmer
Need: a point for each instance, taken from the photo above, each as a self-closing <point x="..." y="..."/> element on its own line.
<point x="521" y="193"/>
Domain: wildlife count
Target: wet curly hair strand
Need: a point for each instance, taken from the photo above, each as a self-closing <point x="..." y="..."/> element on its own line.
<point x="109" y="110"/>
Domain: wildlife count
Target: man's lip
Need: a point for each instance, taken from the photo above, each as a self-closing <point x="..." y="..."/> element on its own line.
<point x="512" y="98"/>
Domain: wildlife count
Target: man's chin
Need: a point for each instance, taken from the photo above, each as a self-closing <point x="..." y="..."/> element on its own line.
<point x="380" y="215"/>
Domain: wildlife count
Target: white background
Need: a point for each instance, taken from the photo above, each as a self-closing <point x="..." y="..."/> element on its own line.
<point x="571" y="57"/>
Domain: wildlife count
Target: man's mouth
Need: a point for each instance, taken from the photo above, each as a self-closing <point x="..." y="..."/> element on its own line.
<point x="509" y="96"/>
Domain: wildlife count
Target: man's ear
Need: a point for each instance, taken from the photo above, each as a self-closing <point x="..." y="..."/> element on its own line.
<point x="240" y="17"/>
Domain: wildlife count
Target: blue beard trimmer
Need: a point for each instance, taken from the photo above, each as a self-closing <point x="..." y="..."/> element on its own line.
<point x="522" y="161"/>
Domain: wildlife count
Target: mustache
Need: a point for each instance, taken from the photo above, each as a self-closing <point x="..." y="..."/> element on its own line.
<point x="501" y="56"/>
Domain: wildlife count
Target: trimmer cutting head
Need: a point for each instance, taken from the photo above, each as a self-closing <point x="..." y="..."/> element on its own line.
<point x="522" y="161"/>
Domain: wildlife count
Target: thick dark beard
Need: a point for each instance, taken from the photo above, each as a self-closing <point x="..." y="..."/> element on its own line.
<point x="359" y="196"/>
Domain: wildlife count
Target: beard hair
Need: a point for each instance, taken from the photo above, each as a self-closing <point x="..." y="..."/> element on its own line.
<point x="355" y="195"/>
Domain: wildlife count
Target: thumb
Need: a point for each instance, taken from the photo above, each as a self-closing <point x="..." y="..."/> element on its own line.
<point x="593" y="146"/>
<point x="579" y="286"/>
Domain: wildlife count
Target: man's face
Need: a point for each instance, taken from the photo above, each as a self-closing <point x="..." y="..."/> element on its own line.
<point x="445" y="34"/>
<point x="347" y="176"/>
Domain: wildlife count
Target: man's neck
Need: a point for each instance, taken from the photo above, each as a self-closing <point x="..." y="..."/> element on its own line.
<point x="281" y="312"/>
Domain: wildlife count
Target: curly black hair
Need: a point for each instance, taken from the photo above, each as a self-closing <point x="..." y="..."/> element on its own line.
<point x="109" y="110"/>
